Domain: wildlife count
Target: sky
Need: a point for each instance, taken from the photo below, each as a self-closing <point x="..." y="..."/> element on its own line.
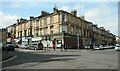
<point x="101" y="13"/>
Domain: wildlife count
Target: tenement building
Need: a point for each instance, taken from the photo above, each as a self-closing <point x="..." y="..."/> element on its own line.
<point x="66" y="28"/>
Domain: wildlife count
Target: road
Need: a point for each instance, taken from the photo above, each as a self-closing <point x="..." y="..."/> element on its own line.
<point x="71" y="59"/>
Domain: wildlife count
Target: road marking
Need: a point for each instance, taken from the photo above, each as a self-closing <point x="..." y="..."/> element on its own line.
<point x="9" y="59"/>
<point x="27" y="50"/>
<point x="62" y="57"/>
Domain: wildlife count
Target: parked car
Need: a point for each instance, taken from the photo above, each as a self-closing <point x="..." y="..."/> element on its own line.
<point x="10" y="47"/>
<point x="24" y="46"/>
<point x="40" y="46"/>
<point x="1" y="47"/>
<point x="98" y="47"/>
<point x="109" y="47"/>
<point x="117" y="48"/>
<point x="21" y="46"/>
<point x="33" y="46"/>
<point x="16" y="46"/>
<point x="101" y="47"/>
<point x="112" y="46"/>
<point x="36" y="46"/>
<point x="105" y="46"/>
<point x="87" y="47"/>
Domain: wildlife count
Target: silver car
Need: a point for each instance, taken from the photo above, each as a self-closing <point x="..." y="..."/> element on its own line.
<point x="1" y="47"/>
<point x="36" y="46"/>
<point x="117" y="48"/>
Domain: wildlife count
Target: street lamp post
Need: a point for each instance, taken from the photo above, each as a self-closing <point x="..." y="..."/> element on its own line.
<point x="1" y="34"/>
<point x="6" y="36"/>
<point x="63" y="39"/>
<point x="78" y="41"/>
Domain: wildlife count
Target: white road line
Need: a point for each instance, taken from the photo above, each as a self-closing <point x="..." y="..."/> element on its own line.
<point x="9" y="59"/>
<point x="27" y="50"/>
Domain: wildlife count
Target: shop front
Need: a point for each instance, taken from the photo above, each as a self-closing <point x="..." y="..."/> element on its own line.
<point x="70" y="41"/>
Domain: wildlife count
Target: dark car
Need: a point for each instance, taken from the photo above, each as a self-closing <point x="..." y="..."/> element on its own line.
<point x="112" y="46"/>
<point x="10" y="47"/>
<point x="16" y="46"/>
<point x="40" y="46"/>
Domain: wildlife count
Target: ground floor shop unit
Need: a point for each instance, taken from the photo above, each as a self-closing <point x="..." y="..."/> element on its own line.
<point x="70" y="41"/>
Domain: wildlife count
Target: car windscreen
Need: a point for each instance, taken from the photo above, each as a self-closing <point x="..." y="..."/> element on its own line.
<point x="9" y="45"/>
<point x="118" y="46"/>
<point x="34" y="44"/>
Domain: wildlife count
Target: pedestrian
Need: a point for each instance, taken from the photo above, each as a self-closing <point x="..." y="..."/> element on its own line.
<point x="44" y="44"/>
<point x="48" y="45"/>
<point x="54" y="44"/>
<point x="65" y="47"/>
<point x="62" y="47"/>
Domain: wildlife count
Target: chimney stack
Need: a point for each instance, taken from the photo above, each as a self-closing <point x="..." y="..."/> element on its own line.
<point x="102" y="28"/>
<point x="82" y="17"/>
<point x="44" y="13"/>
<point x="74" y="12"/>
<point x="17" y="20"/>
<point x="108" y="31"/>
<point x="31" y="17"/>
<point x="21" y="19"/>
<point x="55" y="10"/>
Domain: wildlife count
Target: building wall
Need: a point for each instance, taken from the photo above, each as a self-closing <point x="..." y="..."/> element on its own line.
<point x="54" y="23"/>
<point x="16" y="31"/>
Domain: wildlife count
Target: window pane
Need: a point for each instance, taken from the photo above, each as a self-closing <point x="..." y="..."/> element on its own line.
<point x="72" y="29"/>
<point x="45" y="22"/>
<point x="63" y="28"/>
<point x="40" y="23"/>
<point x="63" y="17"/>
